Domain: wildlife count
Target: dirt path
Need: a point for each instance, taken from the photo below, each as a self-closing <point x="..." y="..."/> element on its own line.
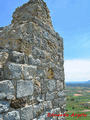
<point x="78" y="95"/>
<point x="86" y="110"/>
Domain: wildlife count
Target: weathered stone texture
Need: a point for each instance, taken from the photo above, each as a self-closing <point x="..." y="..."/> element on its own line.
<point x="24" y="88"/>
<point x="7" y="90"/>
<point x="29" y="71"/>
<point x="4" y="106"/>
<point x="13" y="71"/>
<point x="31" y="66"/>
<point x="27" y="113"/>
<point x="14" y="115"/>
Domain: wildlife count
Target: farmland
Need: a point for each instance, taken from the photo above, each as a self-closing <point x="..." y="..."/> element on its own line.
<point x="78" y="102"/>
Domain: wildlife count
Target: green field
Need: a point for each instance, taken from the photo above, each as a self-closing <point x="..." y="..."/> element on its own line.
<point x="78" y="102"/>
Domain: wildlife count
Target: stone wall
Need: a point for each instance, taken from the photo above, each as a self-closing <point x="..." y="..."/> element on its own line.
<point x="31" y="66"/>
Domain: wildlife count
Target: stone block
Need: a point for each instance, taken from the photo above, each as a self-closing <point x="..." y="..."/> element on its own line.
<point x="37" y="53"/>
<point x="59" y="85"/>
<point x="47" y="105"/>
<point x="24" y="88"/>
<point x="42" y="117"/>
<point x="29" y="71"/>
<point x="14" y="115"/>
<point x="27" y="113"/>
<point x="37" y="109"/>
<point x="62" y="101"/>
<point x="44" y="44"/>
<point x="33" y="61"/>
<point x="50" y="96"/>
<point x="4" y="106"/>
<point x="51" y="85"/>
<point x="17" y="57"/>
<point x="2" y="96"/>
<point x="55" y="103"/>
<point x="61" y="94"/>
<point x="41" y="73"/>
<point x="37" y="89"/>
<point x="58" y="102"/>
<point x="57" y="74"/>
<point x="13" y="71"/>
<point x="40" y="98"/>
<point x="3" y="57"/>
<point x="45" y="35"/>
<point x="7" y="90"/>
<point x="1" y="73"/>
<point x="44" y="86"/>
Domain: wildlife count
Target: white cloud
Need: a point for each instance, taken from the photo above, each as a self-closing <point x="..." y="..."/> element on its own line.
<point x="77" y="70"/>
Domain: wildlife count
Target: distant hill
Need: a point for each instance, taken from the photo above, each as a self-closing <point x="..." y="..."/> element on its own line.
<point x="78" y="84"/>
<point x="1" y="28"/>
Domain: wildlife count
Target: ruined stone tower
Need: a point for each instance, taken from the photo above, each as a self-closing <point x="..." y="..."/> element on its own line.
<point x="31" y="66"/>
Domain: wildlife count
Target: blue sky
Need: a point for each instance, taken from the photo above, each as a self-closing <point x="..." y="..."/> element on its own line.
<point x="71" y="19"/>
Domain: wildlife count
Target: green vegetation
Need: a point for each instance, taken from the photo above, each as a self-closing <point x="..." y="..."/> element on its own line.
<point x="78" y="102"/>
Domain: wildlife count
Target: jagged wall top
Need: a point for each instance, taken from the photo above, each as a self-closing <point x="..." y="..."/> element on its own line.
<point x="34" y="9"/>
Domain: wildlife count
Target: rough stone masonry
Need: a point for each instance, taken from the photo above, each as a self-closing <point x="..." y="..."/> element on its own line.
<point x="31" y="66"/>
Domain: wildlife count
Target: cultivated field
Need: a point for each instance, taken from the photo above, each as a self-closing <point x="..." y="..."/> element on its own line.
<point x="78" y="102"/>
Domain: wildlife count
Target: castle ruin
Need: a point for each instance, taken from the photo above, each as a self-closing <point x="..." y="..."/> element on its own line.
<point x="31" y="66"/>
